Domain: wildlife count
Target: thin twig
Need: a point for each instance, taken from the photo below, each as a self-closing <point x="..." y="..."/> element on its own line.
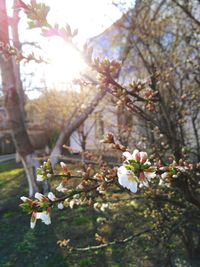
<point x="115" y="242"/>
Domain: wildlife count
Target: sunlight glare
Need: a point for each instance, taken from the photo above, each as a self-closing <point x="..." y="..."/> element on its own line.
<point x="65" y="63"/>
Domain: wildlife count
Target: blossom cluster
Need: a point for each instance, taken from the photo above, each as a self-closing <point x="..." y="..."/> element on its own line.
<point x="137" y="171"/>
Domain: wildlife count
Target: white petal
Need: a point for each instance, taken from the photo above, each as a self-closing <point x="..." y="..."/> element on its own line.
<point x="33" y="220"/>
<point x="149" y="175"/>
<point x="122" y="174"/>
<point x="164" y="175"/>
<point x="39" y="178"/>
<point x="51" y="196"/>
<point x="182" y="169"/>
<point x="145" y="183"/>
<point x="104" y="206"/>
<point x="24" y="199"/>
<point x="122" y="171"/>
<point x="60" y="206"/>
<point x="124" y="180"/>
<point x="71" y="204"/>
<point x="135" y="154"/>
<point x="39" y="196"/>
<point x="44" y="216"/>
<point x="61" y="188"/>
<point x="132" y="186"/>
<point x="161" y="182"/>
<point x="96" y="206"/>
<point x="63" y="165"/>
<point x="143" y="157"/>
<point x="127" y="155"/>
<point x="32" y="224"/>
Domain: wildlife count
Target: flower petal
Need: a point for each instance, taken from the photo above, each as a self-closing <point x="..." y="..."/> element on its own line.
<point x="136" y="155"/>
<point x="132" y="186"/>
<point x="51" y="196"/>
<point x="127" y="155"/>
<point x="149" y="175"/>
<point x="33" y="220"/>
<point x="39" y="178"/>
<point x="124" y="179"/>
<point x="60" y="206"/>
<point x="165" y="175"/>
<point x="39" y="196"/>
<point x="122" y="174"/>
<point x="24" y="199"/>
<point x="44" y="216"/>
<point x="61" y="188"/>
<point x="143" y="157"/>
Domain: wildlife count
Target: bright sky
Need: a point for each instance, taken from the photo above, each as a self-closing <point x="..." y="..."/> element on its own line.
<point x="91" y="17"/>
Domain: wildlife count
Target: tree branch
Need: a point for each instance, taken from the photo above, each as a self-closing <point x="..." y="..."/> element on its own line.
<point x="112" y="243"/>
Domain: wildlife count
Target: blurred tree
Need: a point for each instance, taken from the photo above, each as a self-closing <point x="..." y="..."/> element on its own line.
<point x="14" y="95"/>
<point x="13" y="103"/>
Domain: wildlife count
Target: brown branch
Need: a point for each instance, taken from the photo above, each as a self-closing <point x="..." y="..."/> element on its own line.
<point x="115" y="242"/>
<point x="187" y="12"/>
<point x="75" y="192"/>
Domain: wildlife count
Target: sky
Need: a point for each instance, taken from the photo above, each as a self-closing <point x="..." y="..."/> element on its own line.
<point x="91" y="17"/>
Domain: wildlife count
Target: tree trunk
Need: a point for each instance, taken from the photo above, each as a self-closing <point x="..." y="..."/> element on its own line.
<point x="71" y="126"/>
<point x="12" y="105"/>
<point x="16" y="42"/>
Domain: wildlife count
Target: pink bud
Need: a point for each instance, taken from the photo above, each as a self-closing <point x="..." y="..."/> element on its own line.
<point x="142" y="177"/>
<point x="137" y="156"/>
<point x="143" y="157"/>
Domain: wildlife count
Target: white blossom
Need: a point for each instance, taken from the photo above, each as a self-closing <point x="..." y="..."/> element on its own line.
<point x="24" y="199"/>
<point x="33" y="220"/>
<point x="40" y="178"/>
<point x="165" y="175"/>
<point x="127" y="179"/>
<point x="39" y="196"/>
<point x="62" y="164"/>
<point x="61" y="188"/>
<point x="96" y="206"/>
<point x="136" y="173"/>
<point x="104" y="206"/>
<point x="137" y="156"/>
<point x="51" y="196"/>
<point x="44" y="217"/>
<point x="60" y="206"/>
<point x="72" y="203"/>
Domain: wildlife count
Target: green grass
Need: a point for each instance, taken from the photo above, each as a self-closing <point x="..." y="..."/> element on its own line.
<point x="21" y="246"/>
